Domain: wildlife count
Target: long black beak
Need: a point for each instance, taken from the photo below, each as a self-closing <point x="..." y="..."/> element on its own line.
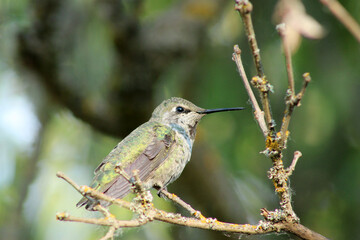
<point x="208" y="111"/>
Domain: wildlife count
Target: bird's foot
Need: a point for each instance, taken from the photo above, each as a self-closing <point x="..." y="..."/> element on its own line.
<point x="160" y="189"/>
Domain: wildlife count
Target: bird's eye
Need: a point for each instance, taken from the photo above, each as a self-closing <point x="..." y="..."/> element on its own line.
<point x="179" y="109"/>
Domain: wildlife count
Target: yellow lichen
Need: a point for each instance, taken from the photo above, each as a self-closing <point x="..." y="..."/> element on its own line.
<point x="271" y="144"/>
<point x="220" y="223"/>
<point x="85" y="189"/>
<point x="62" y="215"/>
<point x="202" y="218"/>
<point x="280" y="190"/>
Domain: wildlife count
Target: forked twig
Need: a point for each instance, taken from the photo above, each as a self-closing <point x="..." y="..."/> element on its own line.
<point x="244" y="7"/>
<point x="275" y="142"/>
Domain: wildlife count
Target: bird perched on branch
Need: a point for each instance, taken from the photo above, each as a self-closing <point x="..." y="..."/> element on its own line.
<point x="158" y="149"/>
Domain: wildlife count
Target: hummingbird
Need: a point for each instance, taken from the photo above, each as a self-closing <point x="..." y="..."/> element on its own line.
<point x="159" y="149"/>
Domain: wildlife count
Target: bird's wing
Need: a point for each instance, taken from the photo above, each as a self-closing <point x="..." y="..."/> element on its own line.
<point x="149" y="160"/>
<point x="144" y="150"/>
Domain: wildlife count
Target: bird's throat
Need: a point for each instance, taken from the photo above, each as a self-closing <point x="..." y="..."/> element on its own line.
<point x="189" y="135"/>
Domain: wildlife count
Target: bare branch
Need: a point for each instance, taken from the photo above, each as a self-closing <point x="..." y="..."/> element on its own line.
<point x="259" y="115"/>
<point x="64" y="216"/>
<point x="281" y="28"/>
<point x="109" y="234"/>
<point x="291" y="102"/>
<point x="138" y="186"/>
<point x="307" y="80"/>
<point x="275" y="143"/>
<point x="183" y="204"/>
<point x="122" y="173"/>
<point x="304" y="232"/>
<point x="101" y="221"/>
<point x="71" y="182"/>
<point x="244" y="7"/>
<point x="87" y="191"/>
<point x="214" y="224"/>
<point x="104" y="211"/>
<point x="149" y="213"/>
<point x="291" y="168"/>
<point x="344" y="17"/>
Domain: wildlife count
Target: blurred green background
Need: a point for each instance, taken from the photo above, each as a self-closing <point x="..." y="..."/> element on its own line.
<point x="78" y="76"/>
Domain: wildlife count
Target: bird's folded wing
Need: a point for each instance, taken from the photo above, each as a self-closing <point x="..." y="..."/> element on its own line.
<point x="156" y="143"/>
<point x="147" y="162"/>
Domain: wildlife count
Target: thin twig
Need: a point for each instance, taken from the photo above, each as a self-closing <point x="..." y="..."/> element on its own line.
<point x="101" y="221"/>
<point x="183" y="204"/>
<point x="343" y="16"/>
<point x="307" y="78"/>
<point x="259" y="115"/>
<point x="291" y="168"/>
<point x="64" y="216"/>
<point x="104" y="211"/>
<point x="281" y="28"/>
<point x="122" y="173"/>
<point x="291" y="102"/>
<point x="137" y="183"/>
<point x="290" y="95"/>
<point x="85" y="190"/>
<point x="244" y="7"/>
<point x="71" y="182"/>
<point x="109" y="234"/>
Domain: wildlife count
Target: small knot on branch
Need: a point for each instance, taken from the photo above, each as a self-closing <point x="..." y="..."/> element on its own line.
<point x="273" y="216"/>
<point x="243" y="6"/>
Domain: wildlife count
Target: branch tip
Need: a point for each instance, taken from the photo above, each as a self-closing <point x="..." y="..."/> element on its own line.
<point x="243" y="6"/>
<point x="60" y="174"/>
<point x="62" y="216"/>
<point x="291" y="168"/>
<point x="307" y="77"/>
<point x="237" y="50"/>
